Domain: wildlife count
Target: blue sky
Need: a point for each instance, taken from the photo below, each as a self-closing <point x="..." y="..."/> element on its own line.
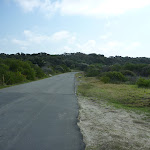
<point x="109" y="27"/>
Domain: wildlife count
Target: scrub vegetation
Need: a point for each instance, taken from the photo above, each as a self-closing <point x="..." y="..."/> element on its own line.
<point x="119" y="95"/>
<point x="13" y="71"/>
<point x="20" y="67"/>
<point x="113" y="115"/>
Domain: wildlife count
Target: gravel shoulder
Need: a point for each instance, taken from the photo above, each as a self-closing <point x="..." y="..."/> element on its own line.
<point x="107" y="128"/>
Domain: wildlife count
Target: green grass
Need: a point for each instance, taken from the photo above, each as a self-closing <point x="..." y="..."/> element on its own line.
<point x="2" y="86"/>
<point x="119" y="95"/>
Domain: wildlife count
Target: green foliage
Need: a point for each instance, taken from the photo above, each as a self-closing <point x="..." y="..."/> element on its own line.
<point x="92" y="64"/>
<point x="59" y="68"/>
<point x="128" y="73"/>
<point x="92" y="71"/>
<point x="136" y="68"/>
<point x="82" y="66"/>
<point x="65" y="68"/>
<point x="116" y="67"/>
<point x="29" y="73"/>
<point x="39" y="72"/>
<point x="145" y="83"/>
<point x="16" y="71"/>
<point x="13" y="77"/>
<point x="105" y="79"/>
<point x="48" y="70"/>
<point x="113" y="77"/>
<point x="3" y="68"/>
<point x="145" y="71"/>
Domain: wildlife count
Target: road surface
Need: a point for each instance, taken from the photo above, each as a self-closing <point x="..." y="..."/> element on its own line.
<point x="40" y="115"/>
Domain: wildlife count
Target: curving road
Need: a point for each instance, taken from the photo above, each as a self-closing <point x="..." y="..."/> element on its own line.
<point x="40" y="115"/>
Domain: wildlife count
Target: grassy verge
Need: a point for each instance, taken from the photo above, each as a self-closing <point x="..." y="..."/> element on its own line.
<point x="118" y="95"/>
<point x="2" y="86"/>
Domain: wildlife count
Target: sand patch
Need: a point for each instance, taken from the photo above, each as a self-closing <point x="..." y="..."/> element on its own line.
<point x="107" y="128"/>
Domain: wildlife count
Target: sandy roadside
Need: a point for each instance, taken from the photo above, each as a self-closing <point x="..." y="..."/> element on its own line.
<point x="107" y="128"/>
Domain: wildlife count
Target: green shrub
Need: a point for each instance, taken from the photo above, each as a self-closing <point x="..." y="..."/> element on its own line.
<point x="82" y="66"/>
<point x="92" y="71"/>
<point x="143" y="83"/>
<point x="105" y="79"/>
<point x="114" y="77"/>
<point x="39" y="72"/>
<point x="29" y="73"/>
<point x="128" y="73"/>
<point x="116" y="67"/>
<point x="16" y="71"/>
<point x="66" y="69"/>
<point x="3" y="70"/>
<point x="145" y="71"/>
<point x="59" y="68"/>
<point x="13" y="77"/>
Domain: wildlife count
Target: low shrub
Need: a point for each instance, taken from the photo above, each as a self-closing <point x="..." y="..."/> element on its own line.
<point x="92" y="71"/>
<point x="128" y="73"/>
<point x="59" y="68"/>
<point x="113" y="77"/>
<point x="105" y="79"/>
<point x="145" y="83"/>
<point x="14" y="77"/>
<point x="39" y="72"/>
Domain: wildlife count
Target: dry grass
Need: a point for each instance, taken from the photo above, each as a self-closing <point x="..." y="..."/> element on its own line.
<point x="105" y="127"/>
<point x="120" y="95"/>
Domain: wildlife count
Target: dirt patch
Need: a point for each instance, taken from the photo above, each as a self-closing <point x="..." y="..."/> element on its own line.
<point x="107" y="128"/>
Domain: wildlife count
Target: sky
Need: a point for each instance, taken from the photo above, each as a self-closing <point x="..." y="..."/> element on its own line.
<point x="108" y="27"/>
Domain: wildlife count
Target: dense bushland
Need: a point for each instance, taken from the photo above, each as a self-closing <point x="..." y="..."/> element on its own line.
<point x="128" y="73"/>
<point x="145" y="83"/>
<point x="113" y="77"/>
<point x="112" y="69"/>
<point x="81" y="61"/>
<point x="16" y="71"/>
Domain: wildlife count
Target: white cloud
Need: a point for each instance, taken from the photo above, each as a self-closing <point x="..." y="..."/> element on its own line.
<point x="49" y="8"/>
<point x="28" y="5"/>
<point x="113" y="48"/>
<point x="108" y="24"/>
<point x="95" y="8"/>
<point x="67" y="49"/>
<point x="65" y="41"/>
<point x="31" y="38"/>
<point x="110" y="48"/>
<point x="60" y="35"/>
<point x="106" y="36"/>
<point x="133" y="45"/>
<point x="114" y="44"/>
<point x="19" y="42"/>
<point x="45" y="6"/>
<point x="72" y="39"/>
<point x="100" y="7"/>
<point x="35" y="38"/>
<point x="88" y="47"/>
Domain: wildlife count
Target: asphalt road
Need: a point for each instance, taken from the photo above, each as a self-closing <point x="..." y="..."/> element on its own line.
<point x="40" y="115"/>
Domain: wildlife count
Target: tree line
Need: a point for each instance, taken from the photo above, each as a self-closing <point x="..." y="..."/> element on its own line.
<point x="14" y="71"/>
<point x="30" y="66"/>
